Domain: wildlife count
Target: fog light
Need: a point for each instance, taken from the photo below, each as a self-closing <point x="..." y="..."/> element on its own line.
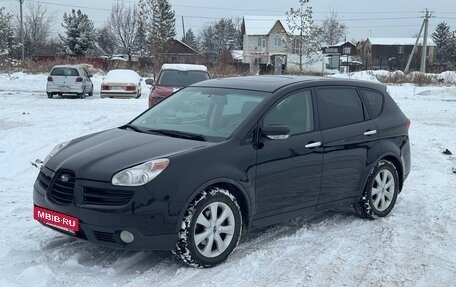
<point x="127" y="237"/>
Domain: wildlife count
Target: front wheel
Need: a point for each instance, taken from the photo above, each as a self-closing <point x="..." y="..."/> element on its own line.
<point x="381" y="191"/>
<point x="211" y="229"/>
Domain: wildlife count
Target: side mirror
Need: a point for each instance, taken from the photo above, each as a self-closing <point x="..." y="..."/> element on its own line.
<point x="149" y="82"/>
<point x="276" y="132"/>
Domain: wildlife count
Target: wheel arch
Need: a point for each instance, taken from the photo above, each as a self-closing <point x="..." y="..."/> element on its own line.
<point x="234" y="187"/>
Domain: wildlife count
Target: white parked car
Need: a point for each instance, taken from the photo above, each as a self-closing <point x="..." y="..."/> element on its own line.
<point x="69" y="79"/>
<point x="121" y="84"/>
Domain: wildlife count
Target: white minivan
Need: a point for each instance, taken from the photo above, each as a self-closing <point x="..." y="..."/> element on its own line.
<point x="69" y="79"/>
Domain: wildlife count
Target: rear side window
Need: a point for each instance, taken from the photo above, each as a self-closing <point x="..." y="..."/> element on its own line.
<point x="373" y="101"/>
<point x="69" y="72"/>
<point x="339" y="107"/>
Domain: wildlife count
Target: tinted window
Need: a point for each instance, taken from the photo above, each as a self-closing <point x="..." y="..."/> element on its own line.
<point x="296" y="111"/>
<point x="339" y="107"/>
<point x="176" y="78"/>
<point x="373" y="101"/>
<point x="69" y="72"/>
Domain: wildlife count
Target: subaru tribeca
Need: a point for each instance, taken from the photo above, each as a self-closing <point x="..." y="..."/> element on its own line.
<point x="224" y="156"/>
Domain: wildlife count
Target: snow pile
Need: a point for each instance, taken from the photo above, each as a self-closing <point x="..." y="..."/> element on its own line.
<point x="364" y="76"/>
<point x="414" y="246"/>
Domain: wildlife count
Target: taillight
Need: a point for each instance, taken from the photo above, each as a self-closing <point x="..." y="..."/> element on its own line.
<point x="79" y="80"/>
<point x="407" y="124"/>
<point x="105" y="87"/>
<point x="130" y="88"/>
<point x="50" y="79"/>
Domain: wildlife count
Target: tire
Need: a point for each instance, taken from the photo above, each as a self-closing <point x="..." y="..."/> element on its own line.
<point x="91" y="93"/>
<point x="380" y="194"/>
<point x="50" y="95"/>
<point x="216" y="239"/>
<point x="81" y="96"/>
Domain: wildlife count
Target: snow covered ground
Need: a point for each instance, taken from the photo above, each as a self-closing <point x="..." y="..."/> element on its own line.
<point x="414" y="246"/>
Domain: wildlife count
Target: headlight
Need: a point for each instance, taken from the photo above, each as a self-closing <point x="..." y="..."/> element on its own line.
<point x="55" y="150"/>
<point x="140" y="174"/>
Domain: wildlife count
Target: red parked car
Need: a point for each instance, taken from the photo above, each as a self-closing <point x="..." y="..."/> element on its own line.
<point x="173" y="77"/>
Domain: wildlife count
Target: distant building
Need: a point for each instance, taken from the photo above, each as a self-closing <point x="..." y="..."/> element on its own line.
<point x="179" y="52"/>
<point x="342" y="56"/>
<point x="264" y="43"/>
<point x="393" y="53"/>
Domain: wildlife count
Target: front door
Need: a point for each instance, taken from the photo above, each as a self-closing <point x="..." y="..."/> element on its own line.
<point x="289" y="170"/>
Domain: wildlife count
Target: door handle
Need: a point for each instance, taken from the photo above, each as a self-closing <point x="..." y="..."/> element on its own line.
<point x="313" y="145"/>
<point x="370" y="132"/>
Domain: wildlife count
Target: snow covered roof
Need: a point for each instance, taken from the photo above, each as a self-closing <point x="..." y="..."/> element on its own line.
<point x="341" y="44"/>
<point x="399" y="41"/>
<point x="122" y="76"/>
<point x="237" y="54"/>
<point x="262" y="25"/>
<point x="184" y="67"/>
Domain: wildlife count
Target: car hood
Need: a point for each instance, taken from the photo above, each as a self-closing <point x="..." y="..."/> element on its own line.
<point x="99" y="156"/>
<point x="165" y="90"/>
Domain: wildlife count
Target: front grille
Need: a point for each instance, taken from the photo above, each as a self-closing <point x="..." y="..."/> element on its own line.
<point x="99" y="196"/>
<point x="44" y="180"/>
<point x="62" y="187"/>
<point x="105" y="236"/>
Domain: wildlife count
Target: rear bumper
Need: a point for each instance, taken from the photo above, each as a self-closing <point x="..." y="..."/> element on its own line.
<point x="123" y="95"/>
<point x="152" y="222"/>
<point x="72" y="89"/>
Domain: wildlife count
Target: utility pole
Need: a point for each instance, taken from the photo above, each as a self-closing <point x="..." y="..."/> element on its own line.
<point x="22" y="31"/>
<point x="301" y="37"/>
<point x="183" y="28"/>
<point x="424" y="52"/>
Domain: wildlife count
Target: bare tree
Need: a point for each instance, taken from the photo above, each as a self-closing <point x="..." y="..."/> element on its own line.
<point x="333" y="29"/>
<point x="123" y="26"/>
<point x="37" y="29"/>
<point x="305" y="35"/>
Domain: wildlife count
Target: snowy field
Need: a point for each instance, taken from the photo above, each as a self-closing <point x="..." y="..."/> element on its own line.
<point x="414" y="246"/>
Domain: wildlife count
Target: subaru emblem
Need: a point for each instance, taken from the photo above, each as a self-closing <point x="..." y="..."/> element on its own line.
<point x="64" y="178"/>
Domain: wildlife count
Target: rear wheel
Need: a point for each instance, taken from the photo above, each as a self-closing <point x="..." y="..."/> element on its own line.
<point x="381" y="191"/>
<point x="50" y="95"/>
<point x="211" y="229"/>
<point x="81" y="95"/>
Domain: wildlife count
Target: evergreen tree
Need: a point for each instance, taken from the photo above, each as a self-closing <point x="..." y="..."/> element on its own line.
<point x="305" y="35"/>
<point x="219" y="37"/>
<point x="160" y="19"/>
<point x="141" y="37"/>
<point x="7" y="41"/>
<point x="190" y="39"/>
<point x="79" y="33"/>
<point x="443" y="39"/>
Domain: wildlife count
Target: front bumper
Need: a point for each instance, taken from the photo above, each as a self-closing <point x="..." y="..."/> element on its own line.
<point x="152" y="222"/>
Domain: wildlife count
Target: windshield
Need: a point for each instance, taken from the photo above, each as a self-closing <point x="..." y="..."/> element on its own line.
<point x="209" y="113"/>
<point x="175" y="78"/>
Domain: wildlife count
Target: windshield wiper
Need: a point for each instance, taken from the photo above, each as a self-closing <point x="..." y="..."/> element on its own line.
<point x="133" y="127"/>
<point x="179" y="134"/>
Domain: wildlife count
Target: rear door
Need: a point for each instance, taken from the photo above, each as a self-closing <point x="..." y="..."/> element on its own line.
<point x="350" y="143"/>
<point x="289" y="170"/>
<point x="64" y="77"/>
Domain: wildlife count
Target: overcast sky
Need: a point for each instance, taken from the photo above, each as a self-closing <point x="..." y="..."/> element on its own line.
<point x="364" y="18"/>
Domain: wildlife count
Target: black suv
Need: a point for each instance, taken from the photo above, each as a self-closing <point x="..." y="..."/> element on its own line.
<point x="226" y="155"/>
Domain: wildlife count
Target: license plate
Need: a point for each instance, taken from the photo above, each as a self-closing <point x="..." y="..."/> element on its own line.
<point x="64" y="88"/>
<point x="117" y="88"/>
<point x="58" y="220"/>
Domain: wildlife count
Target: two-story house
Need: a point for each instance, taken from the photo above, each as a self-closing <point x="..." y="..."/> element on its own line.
<point x="264" y="43"/>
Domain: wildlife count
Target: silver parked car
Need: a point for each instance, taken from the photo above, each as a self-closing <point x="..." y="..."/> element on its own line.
<point x="69" y="79"/>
